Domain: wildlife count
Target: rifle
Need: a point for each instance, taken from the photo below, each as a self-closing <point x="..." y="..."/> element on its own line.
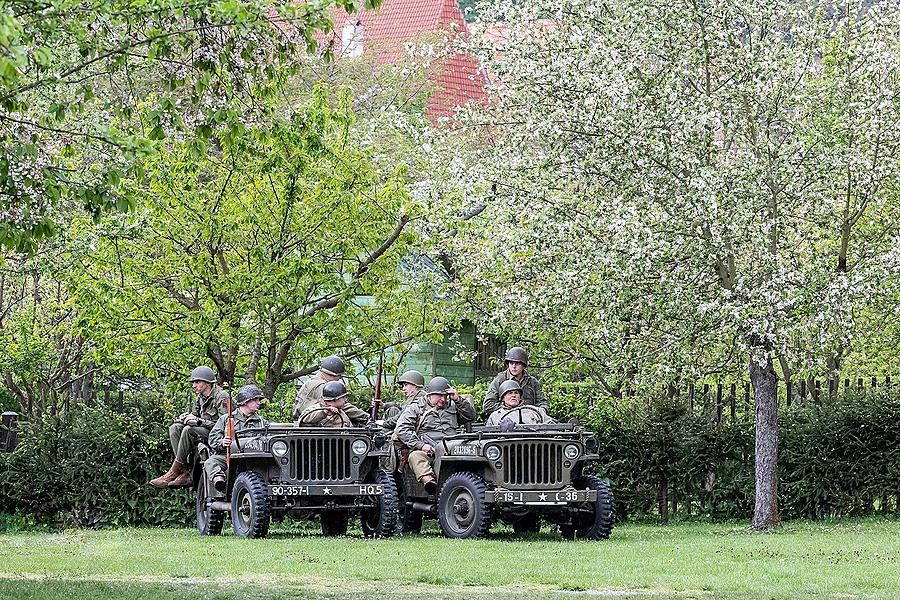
<point x="376" y="402"/>
<point x="229" y="431"/>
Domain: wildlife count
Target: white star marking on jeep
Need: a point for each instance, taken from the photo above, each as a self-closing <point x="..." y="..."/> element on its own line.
<point x="543" y="497"/>
<point x="327" y="491"/>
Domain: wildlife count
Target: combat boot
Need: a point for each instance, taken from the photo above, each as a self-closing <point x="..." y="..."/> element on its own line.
<point x="430" y="484"/>
<point x="174" y="471"/>
<point x="184" y="479"/>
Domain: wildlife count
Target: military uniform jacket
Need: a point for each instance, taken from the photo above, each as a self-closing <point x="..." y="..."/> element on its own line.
<point x="531" y="392"/>
<point x="519" y="417"/>
<point x="240" y="423"/>
<point x="321" y="418"/>
<point x="420" y="419"/>
<point x="209" y="408"/>
<point x="390" y="422"/>
<point x="310" y="394"/>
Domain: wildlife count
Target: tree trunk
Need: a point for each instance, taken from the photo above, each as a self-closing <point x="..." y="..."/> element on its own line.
<point x="765" y="387"/>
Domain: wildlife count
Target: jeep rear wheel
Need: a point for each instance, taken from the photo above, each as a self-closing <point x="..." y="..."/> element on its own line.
<point x="381" y="520"/>
<point x="594" y="520"/>
<point x="250" y="506"/>
<point x="334" y="522"/>
<point x="462" y="509"/>
<point x="209" y="521"/>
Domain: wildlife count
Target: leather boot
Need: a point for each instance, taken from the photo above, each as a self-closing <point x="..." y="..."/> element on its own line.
<point x="184" y="479"/>
<point x="430" y="484"/>
<point x="174" y="471"/>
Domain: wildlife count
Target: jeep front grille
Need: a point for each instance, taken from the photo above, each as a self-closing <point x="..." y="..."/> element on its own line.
<point x="320" y="459"/>
<point x="533" y="463"/>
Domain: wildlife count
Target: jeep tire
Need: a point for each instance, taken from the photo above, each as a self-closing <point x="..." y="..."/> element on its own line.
<point x="209" y="521"/>
<point x="462" y="510"/>
<point x="595" y="523"/>
<point x="381" y="521"/>
<point x="250" y="506"/>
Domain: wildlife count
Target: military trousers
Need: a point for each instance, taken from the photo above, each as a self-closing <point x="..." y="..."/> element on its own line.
<point x="185" y="438"/>
<point x="420" y="463"/>
<point x="214" y="465"/>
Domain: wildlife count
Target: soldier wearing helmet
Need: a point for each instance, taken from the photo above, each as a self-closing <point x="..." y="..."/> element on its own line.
<point x="330" y="369"/>
<point x="511" y="407"/>
<point x="413" y="385"/>
<point x="516" y="363"/>
<point x="192" y="427"/>
<point x="422" y="425"/>
<point x="334" y="410"/>
<point x="249" y="399"/>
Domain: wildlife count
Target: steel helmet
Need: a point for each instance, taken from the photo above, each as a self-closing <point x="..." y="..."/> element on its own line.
<point x="247" y="393"/>
<point x="333" y="365"/>
<point x="334" y="390"/>
<point x="438" y="385"/>
<point x="413" y="377"/>
<point x="203" y="373"/>
<point x="517" y="354"/>
<point x="509" y="386"/>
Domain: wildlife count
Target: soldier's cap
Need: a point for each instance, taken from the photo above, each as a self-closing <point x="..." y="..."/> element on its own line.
<point x="509" y="386"/>
<point x="247" y="393"/>
<point x="203" y="373"/>
<point x="438" y="385"/>
<point x="334" y="390"/>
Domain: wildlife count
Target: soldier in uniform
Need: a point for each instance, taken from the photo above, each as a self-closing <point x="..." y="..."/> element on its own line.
<point x="249" y="398"/>
<point x="413" y="385"/>
<point x="192" y="427"/>
<point x="516" y="363"/>
<point x="333" y="410"/>
<point x="422" y="424"/>
<point x="511" y="400"/>
<point x="330" y="369"/>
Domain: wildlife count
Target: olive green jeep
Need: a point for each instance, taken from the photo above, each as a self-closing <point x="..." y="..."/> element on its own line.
<point x="522" y="476"/>
<point x="282" y="471"/>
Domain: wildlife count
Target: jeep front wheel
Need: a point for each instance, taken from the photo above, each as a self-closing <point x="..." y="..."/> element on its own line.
<point x="593" y="520"/>
<point x="462" y="509"/>
<point x="209" y="521"/>
<point x="381" y="520"/>
<point x="250" y="506"/>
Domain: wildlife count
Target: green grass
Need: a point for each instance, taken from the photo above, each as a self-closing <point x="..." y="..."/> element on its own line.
<point x="802" y="560"/>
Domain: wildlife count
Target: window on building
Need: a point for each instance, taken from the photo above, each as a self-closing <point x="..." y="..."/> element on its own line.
<point x="489" y="353"/>
<point x="352" y="39"/>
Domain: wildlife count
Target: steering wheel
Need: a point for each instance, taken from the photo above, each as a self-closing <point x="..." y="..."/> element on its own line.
<point x="538" y="414"/>
<point x="345" y="420"/>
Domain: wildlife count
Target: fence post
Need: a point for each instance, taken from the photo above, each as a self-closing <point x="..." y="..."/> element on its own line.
<point x="719" y="405"/>
<point x="732" y="401"/>
<point x="691" y="398"/>
<point x="817" y="393"/>
<point x="789" y="385"/>
<point x="8" y="435"/>
<point x="747" y="398"/>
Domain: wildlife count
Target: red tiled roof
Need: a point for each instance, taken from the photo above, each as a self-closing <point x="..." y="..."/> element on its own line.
<point x="386" y="32"/>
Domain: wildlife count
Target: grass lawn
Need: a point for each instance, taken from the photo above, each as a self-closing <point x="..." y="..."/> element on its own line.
<point x="687" y="560"/>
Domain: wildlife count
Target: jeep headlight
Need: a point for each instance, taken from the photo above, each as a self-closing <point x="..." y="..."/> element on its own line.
<point x="279" y="448"/>
<point x="492" y="452"/>
<point x="360" y="447"/>
<point x="571" y="451"/>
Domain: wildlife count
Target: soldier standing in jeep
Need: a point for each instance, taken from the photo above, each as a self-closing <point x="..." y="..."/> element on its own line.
<point x="516" y="363"/>
<point x="421" y="424"/>
<point x="334" y="410"/>
<point x="330" y="369"/>
<point x="245" y="416"/>
<point x="193" y="427"/>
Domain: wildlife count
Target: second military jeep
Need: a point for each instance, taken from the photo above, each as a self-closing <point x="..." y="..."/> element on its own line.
<point x="283" y="471"/>
<point x="520" y="476"/>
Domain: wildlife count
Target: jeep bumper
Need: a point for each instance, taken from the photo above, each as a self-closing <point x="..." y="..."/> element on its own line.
<point x="353" y="489"/>
<point x="541" y="497"/>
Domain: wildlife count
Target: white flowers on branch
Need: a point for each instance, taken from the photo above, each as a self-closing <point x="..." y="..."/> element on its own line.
<point x="681" y="187"/>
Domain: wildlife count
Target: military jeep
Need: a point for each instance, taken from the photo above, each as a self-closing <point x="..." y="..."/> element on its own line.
<point x="520" y="476"/>
<point x="282" y="471"/>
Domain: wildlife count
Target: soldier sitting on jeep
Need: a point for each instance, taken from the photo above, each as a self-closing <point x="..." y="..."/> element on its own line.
<point x="245" y="416"/>
<point x="412" y="383"/>
<point x="334" y="410"/>
<point x="513" y="412"/>
<point x="421" y="424"/>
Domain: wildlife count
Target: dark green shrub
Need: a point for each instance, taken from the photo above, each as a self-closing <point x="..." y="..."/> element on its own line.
<point x="92" y="469"/>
